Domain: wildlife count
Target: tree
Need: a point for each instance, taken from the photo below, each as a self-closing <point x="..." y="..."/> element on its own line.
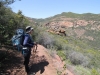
<point x="9" y="21"/>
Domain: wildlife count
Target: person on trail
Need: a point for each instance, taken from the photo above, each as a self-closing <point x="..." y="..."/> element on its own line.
<point x="28" y="44"/>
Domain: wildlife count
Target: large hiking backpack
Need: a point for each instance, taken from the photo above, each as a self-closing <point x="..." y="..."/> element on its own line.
<point x="18" y="38"/>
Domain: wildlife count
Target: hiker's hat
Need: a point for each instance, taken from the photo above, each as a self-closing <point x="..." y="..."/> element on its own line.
<point x="28" y="29"/>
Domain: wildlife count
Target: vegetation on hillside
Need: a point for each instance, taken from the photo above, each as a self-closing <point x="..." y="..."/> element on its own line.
<point x="81" y="54"/>
<point x="9" y="22"/>
<point x="76" y="53"/>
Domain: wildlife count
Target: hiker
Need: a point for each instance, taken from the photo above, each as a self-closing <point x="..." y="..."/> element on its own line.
<point x="27" y="45"/>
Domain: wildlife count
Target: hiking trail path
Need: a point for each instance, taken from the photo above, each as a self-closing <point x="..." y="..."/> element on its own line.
<point x="43" y="64"/>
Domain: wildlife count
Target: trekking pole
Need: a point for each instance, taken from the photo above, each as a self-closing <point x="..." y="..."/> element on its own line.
<point x="34" y="50"/>
<point x="36" y="46"/>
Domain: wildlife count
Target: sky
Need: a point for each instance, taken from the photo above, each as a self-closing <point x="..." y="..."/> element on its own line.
<point x="48" y="8"/>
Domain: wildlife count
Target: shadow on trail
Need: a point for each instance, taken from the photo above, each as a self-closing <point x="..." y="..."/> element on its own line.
<point x="9" y="60"/>
<point x="39" y="64"/>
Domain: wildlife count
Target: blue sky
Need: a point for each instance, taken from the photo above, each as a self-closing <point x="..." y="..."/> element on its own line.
<point x="48" y="8"/>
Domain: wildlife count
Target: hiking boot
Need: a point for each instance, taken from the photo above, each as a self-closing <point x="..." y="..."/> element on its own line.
<point x="31" y="73"/>
<point x="27" y="70"/>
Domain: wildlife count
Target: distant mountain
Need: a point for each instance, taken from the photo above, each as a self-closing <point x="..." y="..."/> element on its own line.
<point x="80" y="26"/>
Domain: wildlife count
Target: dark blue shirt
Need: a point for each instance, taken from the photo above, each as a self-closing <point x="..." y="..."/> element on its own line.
<point x="28" y="42"/>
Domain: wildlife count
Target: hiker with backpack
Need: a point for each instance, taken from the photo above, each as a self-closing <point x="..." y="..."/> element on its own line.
<point x="17" y="39"/>
<point x="27" y="45"/>
<point x="24" y="42"/>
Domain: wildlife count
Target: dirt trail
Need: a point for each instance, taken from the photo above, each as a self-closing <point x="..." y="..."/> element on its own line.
<point x="42" y="64"/>
<point x="46" y="65"/>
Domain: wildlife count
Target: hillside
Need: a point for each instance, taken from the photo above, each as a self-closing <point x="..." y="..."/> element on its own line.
<point x="80" y="26"/>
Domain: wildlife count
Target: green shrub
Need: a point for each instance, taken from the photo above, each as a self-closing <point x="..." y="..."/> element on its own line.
<point x="94" y="72"/>
<point x="79" y="70"/>
<point x="45" y="39"/>
<point x="62" y="55"/>
<point x="78" y="58"/>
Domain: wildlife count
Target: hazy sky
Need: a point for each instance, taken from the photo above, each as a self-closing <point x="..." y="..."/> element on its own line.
<point x="48" y="8"/>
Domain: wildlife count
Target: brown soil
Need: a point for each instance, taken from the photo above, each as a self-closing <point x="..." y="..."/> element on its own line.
<point x="41" y="63"/>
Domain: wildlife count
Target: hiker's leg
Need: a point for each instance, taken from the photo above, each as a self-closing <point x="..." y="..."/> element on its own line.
<point x="26" y="62"/>
<point x="28" y="58"/>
